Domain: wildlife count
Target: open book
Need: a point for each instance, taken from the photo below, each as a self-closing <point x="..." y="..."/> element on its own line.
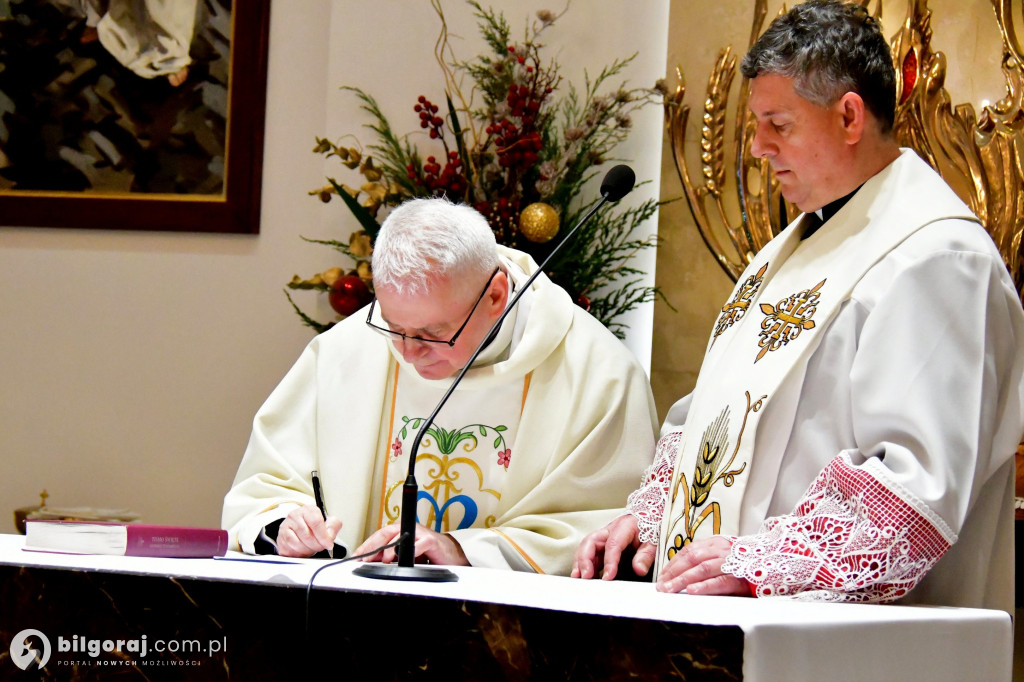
<point x="127" y="539"/>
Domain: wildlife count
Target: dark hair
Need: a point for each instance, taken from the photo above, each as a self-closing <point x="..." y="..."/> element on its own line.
<point x="829" y="48"/>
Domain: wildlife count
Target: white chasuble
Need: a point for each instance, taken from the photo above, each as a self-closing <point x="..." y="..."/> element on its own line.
<point x="764" y="336"/>
<point x="464" y="457"/>
<point x="539" y="445"/>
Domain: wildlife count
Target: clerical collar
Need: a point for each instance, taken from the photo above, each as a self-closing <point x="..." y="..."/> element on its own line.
<point x="826" y="212"/>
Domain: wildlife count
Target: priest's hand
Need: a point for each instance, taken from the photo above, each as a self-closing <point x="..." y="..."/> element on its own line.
<point x="697" y="568"/>
<point x="606" y="546"/>
<point x="430" y="547"/>
<point x="304" y="532"/>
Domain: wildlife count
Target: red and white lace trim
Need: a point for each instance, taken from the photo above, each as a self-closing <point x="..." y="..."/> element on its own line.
<point x="647" y="503"/>
<point x="852" y="537"/>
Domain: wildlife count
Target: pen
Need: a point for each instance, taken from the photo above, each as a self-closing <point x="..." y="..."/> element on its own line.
<point x="318" y="495"/>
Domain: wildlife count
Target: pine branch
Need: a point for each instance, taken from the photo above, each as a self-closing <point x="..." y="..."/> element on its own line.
<point x="306" y="319"/>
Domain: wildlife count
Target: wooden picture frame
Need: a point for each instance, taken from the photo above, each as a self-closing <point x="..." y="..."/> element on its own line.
<point x="233" y="207"/>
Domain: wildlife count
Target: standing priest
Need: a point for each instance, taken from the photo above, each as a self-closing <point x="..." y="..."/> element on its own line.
<point x="544" y="437"/>
<point x="852" y="432"/>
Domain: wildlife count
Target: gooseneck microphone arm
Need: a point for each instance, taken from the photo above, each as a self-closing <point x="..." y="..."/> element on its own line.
<point x="617" y="183"/>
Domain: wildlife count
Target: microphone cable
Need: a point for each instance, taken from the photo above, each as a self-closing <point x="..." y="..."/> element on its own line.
<point x="309" y="585"/>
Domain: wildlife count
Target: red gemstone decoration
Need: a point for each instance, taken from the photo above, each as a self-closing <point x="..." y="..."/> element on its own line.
<point x="909" y="75"/>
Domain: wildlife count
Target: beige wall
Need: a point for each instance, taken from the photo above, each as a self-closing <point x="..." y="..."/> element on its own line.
<point x="131" y="364"/>
<point x="691" y="279"/>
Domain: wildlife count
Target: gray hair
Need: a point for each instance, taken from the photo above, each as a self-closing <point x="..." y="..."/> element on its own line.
<point x="425" y="238"/>
<point x="829" y="48"/>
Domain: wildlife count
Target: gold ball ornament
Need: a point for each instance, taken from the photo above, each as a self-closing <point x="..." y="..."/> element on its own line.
<point x="538" y="222"/>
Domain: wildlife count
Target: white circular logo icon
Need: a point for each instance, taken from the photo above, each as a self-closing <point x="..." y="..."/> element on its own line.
<point x="30" y="648"/>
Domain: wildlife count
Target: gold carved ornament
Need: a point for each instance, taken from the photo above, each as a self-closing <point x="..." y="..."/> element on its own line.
<point x="981" y="157"/>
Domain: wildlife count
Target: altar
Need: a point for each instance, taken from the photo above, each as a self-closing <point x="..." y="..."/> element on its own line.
<point x="235" y="617"/>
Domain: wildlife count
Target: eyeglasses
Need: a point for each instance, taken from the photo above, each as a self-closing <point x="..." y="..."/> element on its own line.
<point x="451" y="341"/>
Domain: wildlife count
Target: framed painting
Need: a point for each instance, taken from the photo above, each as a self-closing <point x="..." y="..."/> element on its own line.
<point x="133" y="114"/>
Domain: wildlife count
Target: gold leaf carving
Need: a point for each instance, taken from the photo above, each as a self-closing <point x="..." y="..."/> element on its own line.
<point x="980" y="156"/>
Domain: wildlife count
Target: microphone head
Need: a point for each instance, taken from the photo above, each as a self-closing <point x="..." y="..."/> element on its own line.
<point x="618" y="182"/>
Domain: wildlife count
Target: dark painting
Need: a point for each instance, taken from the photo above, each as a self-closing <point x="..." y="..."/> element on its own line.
<point x="132" y="114"/>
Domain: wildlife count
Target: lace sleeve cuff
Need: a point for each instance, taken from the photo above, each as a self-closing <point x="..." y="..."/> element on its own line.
<point x="647" y="503"/>
<point x="852" y="537"/>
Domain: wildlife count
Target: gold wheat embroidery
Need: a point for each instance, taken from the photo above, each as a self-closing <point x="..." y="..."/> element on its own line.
<point x="711" y="469"/>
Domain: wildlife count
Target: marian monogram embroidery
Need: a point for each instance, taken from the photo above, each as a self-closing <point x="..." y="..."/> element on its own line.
<point x="445" y="468"/>
<point x="734" y="310"/>
<point x="786" y="320"/>
<point x="714" y="466"/>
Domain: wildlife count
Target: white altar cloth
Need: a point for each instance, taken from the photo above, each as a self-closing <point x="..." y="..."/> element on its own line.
<point x="783" y="639"/>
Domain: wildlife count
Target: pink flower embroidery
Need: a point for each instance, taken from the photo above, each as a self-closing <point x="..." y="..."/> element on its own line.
<point x="504" y="457"/>
<point x="396" y="449"/>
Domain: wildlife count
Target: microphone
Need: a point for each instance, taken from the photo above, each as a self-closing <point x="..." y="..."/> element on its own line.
<point x="617" y="183"/>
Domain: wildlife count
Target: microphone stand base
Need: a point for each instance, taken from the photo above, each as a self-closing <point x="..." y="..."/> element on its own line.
<point x="430" y="574"/>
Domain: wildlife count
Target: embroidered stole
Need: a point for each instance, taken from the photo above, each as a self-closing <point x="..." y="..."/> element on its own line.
<point x="767" y="332"/>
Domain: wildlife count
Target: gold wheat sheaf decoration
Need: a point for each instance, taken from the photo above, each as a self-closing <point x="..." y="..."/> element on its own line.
<point x="710" y="470"/>
<point x="980" y="157"/>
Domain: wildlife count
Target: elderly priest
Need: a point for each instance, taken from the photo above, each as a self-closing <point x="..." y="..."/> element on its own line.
<point x="545" y="436"/>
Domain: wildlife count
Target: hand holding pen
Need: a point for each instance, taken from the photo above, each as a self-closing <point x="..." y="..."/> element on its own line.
<point x="308" y="530"/>
<point x="335" y="551"/>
